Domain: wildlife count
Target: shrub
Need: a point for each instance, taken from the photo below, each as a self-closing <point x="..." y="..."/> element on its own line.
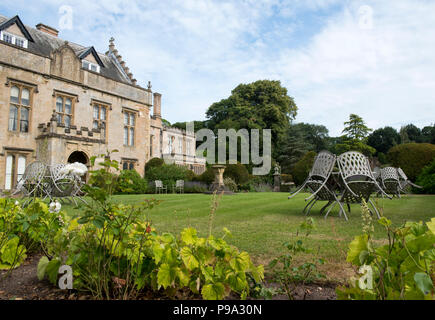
<point x="426" y="179"/>
<point x="207" y="176"/>
<point x="23" y="230"/>
<point x="167" y="173"/>
<point x="190" y="175"/>
<point x="237" y="172"/>
<point x="195" y="187"/>
<point x="230" y="184"/>
<point x="302" y="167"/>
<point x="154" y="162"/>
<point x="411" y="157"/>
<point x="402" y="269"/>
<point x="116" y="253"/>
<point x="130" y="182"/>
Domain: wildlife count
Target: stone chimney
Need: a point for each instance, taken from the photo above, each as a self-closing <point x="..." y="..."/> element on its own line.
<point x="157" y="108"/>
<point x="47" y="29"/>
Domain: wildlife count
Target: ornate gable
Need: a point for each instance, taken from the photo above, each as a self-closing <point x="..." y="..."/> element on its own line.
<point x="66" y="64"/>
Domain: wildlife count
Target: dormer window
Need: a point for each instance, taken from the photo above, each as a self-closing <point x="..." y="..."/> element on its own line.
<point x="90" y="66"/>
<point x="13" y="39"/>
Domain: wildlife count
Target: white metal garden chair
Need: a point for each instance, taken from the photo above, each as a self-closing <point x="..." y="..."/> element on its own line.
<point x="390" y="181"/>
<point x="358" y="180"/>
<point x="318" y="183"/>
<point x="179" y="186"/>
<point x="160" y="187"/>
<point x="404" y="182"/>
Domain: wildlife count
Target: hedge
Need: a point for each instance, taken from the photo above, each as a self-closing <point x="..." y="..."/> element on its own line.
<point x="411" y="157"/>
<point x="302" y="167"/>
<point x="130" y="182"/>
<point x="426" y="179"/>
<point x="237" y="172"/>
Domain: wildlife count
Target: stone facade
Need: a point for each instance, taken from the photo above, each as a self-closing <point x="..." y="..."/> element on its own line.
<point x="61" y="102"/>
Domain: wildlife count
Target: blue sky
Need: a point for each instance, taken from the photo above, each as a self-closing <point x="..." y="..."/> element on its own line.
<point x="372" y="58"/>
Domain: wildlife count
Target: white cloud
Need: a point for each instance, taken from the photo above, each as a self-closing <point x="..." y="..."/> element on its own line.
<point x="196" y="52"/>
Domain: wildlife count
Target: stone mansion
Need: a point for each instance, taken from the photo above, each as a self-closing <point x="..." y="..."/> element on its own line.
<point x="62" y="102"/>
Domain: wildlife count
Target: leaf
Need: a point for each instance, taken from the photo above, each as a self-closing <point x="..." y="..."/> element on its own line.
<point x="213" y="291"/>
<point x="183" y="276"/>
<point x="237" y="281"/>
<point x="42" y="265"/>
<point x="357" y="245"/>
<point x="424" y="282"/>
<point x="241" y="261"/>
<point x="227" y="232"/>
<point x="431" y="225"/>
<point x="257" y="272"/>
<point x="52" y="270"/>
<point x="188" y="236"/>
<point x="98" y="222"/>
<point x="166" y="275"/>
<point x="188" y="258"/>
<point x="384" y="221"/>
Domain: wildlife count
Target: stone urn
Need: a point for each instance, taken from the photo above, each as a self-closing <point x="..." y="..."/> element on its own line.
<point x="218" y="183"/>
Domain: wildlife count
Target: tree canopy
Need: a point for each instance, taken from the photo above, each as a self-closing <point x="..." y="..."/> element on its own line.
<point x="383" y="139"/>
<point x="263" y="104"/>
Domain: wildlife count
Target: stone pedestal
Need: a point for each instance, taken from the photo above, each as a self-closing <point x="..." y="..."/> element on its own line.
<point x="276" y="182"/>
<point x="218" y="183"/>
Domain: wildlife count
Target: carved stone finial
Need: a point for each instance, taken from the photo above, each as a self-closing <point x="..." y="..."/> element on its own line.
<point x="111" y="44"/>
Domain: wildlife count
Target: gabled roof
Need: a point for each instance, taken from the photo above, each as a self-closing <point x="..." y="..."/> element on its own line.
<point x="44" y="44"/>
<point x="88" y="51"/>
<point x="16" y="20"/>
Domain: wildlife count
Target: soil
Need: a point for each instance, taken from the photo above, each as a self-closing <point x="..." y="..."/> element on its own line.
<point x="23" y="284"/>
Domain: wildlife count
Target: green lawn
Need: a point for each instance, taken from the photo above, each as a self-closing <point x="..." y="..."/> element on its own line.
<point x="261" y="222"/>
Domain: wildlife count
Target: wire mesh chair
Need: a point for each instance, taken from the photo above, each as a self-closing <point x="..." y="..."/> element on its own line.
<point x="390" y="181"/>
<point x="34" y="182"/>
<point x="65" y="185"/>
<point x="357" y="178"/>
<point x="317" y="183"/>
<point x="404" y="182"/>
<point x="319" y="173"/>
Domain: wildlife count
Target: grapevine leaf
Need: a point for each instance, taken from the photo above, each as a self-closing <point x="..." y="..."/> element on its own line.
<point x="42" y="265"/>
<point x="424" y="282"/>
<point x="213" y="291"/>
<point x="357" y="245"/>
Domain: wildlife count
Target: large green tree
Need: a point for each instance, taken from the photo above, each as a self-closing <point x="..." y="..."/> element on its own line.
<point x="355" y="137"/>
<point x="410" y="133"/>
<point x="263" y="104"/>
<point x="383" y="139"/>
<point x="355" y="128"/>
<point x="298" y="140"/>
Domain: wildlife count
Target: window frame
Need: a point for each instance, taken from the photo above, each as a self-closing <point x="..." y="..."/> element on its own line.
<point x="131" y="164"/>
<point x="14" y="174"/>
<point x="100" y="105"/>
<point x="14" y="39"/>
<point x="19" y="106"/>
<point x="129" y="126"/>
<point x="63" y="113"/>
<point x="90" y="65"/>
